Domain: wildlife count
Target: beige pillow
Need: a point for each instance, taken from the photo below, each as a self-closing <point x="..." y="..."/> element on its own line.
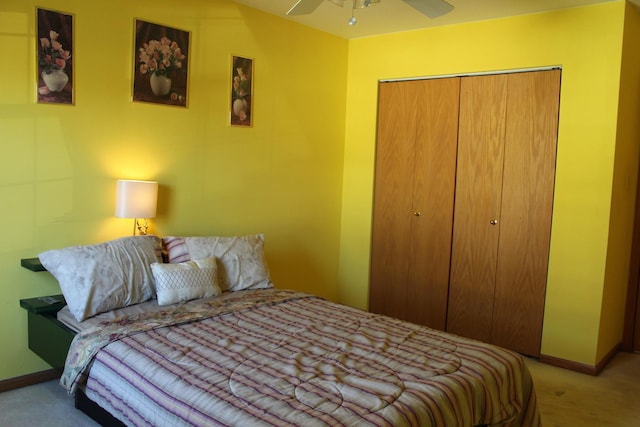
<point x="186" y="280"/>
<point x="241" y="258"/>
<point x="106" y="276"/>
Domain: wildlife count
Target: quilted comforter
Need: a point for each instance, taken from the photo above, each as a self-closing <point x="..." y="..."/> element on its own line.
<point x="281" y="358"/>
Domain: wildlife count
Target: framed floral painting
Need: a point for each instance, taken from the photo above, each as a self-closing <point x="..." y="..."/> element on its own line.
<point x="161" y="60"/>
<point x="54" y="46"/>
<point x="241" y="103"/>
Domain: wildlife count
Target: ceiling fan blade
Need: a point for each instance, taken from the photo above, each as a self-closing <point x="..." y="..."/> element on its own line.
<point x="304" y="7"/>
<point x="431" y="8"/>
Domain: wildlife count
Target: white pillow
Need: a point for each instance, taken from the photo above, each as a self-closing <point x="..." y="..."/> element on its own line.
<point x="242" y="264"/>
<point x="106" y="276"/>
<point x="186" y="280"/>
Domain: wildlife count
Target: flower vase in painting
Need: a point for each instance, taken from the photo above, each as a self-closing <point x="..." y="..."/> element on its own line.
<point x="160" y="59"/>
<point x="160" y="74"/>
<point x="241" y="91"/>
<point x="54" y="57"/>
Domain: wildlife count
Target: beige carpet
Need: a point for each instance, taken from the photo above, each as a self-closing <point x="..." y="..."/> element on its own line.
<point x="568" y="399"/>
<point x="45" y="404"/>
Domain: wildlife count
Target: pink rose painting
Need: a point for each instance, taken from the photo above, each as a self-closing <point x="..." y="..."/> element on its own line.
<point x="241" y="91"/>
<point x="54" y="45"/>
<point x="161" y="57"/>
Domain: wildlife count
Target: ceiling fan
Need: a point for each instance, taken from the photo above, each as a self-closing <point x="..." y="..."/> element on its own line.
<point x="430" y="8"/>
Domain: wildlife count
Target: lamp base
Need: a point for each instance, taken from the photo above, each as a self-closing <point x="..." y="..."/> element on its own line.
<point x="142" y="227"/>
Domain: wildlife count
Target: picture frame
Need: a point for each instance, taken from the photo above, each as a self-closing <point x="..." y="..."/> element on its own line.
<point x="241" y="100"/>
<point x="160" y="64"/>
<point x="54" y="47"/>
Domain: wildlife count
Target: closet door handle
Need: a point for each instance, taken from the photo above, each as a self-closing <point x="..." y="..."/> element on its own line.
<point x="417" y="213"/>
<point x="493" y="222"/>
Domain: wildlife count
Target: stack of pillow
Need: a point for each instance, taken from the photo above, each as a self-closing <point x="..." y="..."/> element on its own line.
<point x="130" y="270"/>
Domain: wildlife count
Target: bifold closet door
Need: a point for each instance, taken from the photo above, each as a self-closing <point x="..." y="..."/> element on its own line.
<point x="527" y="193"/>
<point x="390" y="253"/>
<point x="483" y="106"/>
<point x="504" y="196"/>
<point x="413" y="199"/>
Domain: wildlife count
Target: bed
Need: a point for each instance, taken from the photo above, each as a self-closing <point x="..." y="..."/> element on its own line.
<point x="241" y="352"/>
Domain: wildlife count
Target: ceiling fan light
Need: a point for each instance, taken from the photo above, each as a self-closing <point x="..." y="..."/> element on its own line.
<point x="430" y="8"/>
<point x="359" y="4"/>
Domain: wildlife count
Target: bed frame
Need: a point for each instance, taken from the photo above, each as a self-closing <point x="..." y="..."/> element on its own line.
<point x="95" y="411"/>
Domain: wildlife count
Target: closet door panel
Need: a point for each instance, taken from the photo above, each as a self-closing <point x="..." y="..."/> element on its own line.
<point x="432" y="210"/>
<point x="477" y="205"/>
<point x="525" y="224"/>
<point x="391" y="230"/>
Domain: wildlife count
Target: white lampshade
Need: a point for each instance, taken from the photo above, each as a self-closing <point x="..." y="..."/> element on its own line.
<point x="136" y="199"/>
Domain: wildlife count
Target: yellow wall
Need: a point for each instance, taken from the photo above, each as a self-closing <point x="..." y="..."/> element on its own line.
<point x="587" y="43"/>
<point x="59" y="164"/>
<point x="624" y="186"/>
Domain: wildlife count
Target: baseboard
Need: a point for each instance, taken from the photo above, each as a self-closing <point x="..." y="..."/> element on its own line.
<point x="581" y="367"/>
<point x="31" y="379"/>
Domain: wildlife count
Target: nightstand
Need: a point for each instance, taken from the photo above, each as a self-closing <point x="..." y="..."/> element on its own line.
<point x="50" y="304"/>
<point x="48" y="337"/>
<point x="32" y="264"/>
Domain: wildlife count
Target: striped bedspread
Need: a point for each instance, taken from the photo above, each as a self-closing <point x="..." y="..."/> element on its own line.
<point x="278" y="358"/>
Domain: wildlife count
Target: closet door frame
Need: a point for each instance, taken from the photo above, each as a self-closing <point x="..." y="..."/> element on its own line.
<point x="388" y="298"/>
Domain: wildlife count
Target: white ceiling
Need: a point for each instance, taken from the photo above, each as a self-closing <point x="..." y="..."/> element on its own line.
<point x="395" y="15"/>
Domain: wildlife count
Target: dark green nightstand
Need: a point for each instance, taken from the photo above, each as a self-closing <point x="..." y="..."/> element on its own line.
<point x="49" y="304"/>
<point x="48" y="337"/>
<point x="32" y="264"/>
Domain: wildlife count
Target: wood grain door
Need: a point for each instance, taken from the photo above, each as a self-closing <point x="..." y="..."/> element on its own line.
<point x="413" y="199"/>
<point x="393" y="198"/>
<point x="504" y="197"/>
<point x="433" y="195"/>
<point x="525" y="222"/>
<point x="483" y="107"/>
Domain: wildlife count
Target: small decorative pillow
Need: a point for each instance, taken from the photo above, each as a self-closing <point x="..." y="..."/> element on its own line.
<point x="106" y="276"/>
<point x="186" y="280"/>
<point x="241" y="258"/>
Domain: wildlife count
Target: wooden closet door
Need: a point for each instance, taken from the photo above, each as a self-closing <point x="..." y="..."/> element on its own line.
<point x="483" y="101"/>
<point x="525" y="223"/>
<point x="393" y="193"/>
<point x="413" y="199"/>
<point x="433" y="194"/>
